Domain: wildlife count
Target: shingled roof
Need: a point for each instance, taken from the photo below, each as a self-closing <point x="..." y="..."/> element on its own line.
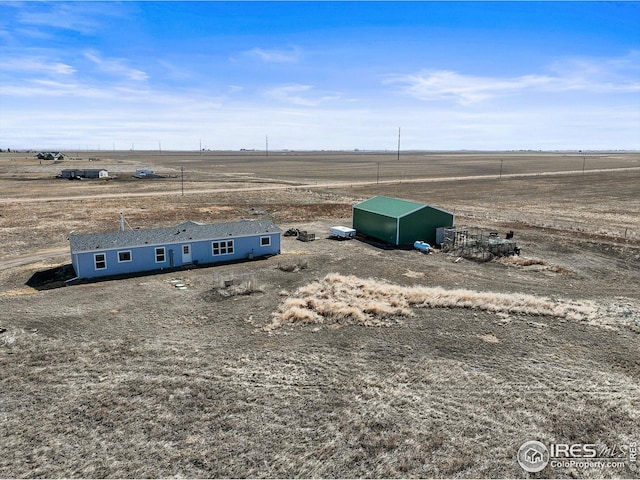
<point x="183" y="233"/>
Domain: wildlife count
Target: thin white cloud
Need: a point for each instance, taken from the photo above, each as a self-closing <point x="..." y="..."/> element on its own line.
<point x="33" y="33"/>
<point x="37" y="65"/>
<point x="300" y="95"/>
<point x="176" y="72"/>
<point x="290" y="55"/>
<point x="606" y="75"/>
<point x="116" y="66"/>
<point x="58" y="15"/>
<point x="42" y="88"/>
<point x="82" y="17"/>
<point x="465" y="89"/>
<point x="618" y="75"/>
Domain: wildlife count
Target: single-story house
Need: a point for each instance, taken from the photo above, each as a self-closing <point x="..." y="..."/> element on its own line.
<point x="399" y="222"/>
<point x="132" y="251"/>
<point x="86" y="173"/>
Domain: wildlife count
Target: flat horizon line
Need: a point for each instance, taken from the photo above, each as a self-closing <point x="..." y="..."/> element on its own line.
<point x="285" y="150"/>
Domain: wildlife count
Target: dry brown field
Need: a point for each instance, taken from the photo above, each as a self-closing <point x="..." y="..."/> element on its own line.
<point x="135" y="378"/>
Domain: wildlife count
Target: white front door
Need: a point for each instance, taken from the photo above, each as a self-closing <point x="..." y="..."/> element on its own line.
<point x="186" y="253"/>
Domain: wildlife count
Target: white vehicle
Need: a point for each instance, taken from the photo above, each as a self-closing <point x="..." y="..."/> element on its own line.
<point x="342" y="232"/>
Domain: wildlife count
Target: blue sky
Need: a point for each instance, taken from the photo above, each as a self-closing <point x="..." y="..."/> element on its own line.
<point x="320" y="75"/>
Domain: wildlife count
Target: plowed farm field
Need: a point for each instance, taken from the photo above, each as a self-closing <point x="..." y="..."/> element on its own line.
<point x="338" y="358"/>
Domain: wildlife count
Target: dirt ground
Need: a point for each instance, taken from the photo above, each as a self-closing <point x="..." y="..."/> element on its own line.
<point x="137" y="378"/>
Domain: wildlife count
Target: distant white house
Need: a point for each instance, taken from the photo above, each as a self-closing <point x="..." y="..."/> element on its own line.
<point x="84" y="173"/>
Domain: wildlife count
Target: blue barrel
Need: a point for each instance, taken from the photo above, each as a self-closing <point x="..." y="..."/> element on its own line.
<point x="422" y="246"/>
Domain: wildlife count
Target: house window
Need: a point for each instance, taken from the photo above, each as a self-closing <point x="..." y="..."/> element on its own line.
<point x="124" y="256"/>
<point x="265" y="241"/>
<point x="225" y="247"/>
<point x="100" y="261"/>
<point x="160" y="257"/>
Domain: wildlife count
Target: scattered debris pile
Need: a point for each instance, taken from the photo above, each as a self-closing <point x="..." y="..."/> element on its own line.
<point x="302" y="235"/>
<point x="471" y="242"/>
<point x="235" y="283"/>
<point x="305" y="236"/>
<point x="179" y="284"/>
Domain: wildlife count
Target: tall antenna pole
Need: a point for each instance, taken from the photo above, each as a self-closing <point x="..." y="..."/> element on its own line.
<point x="398" y="143"/>
<point x="267" y="145"/>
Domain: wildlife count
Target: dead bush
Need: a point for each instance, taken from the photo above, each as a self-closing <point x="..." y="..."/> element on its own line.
<point x="294" y="266"/>
<point x="352" y="300"/>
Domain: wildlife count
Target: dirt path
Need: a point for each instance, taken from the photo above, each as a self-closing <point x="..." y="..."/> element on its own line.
<point x="41" y="255"/>
<point x="303" y="186"/>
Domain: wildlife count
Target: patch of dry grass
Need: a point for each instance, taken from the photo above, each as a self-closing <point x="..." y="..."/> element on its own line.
<point x="520" y="261"/>
<point x="347" y="299"/>
<point x="293" y="265"/>
<point x="115" y="384"/>
<point x="535" y="263"/>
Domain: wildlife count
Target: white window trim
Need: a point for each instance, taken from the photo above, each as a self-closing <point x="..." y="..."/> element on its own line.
<point x="268" y="244"/>
<point x="227" y="244"/>
<point x="125" y="251"/>
<point x="95" y="261"/>
<point x="164" y="254"/>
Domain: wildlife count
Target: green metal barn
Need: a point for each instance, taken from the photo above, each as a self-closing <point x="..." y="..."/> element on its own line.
<point x="399" y="222"/>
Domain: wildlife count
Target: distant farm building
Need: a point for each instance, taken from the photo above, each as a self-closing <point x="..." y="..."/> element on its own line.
<point x="51" y="156"/>
<point x="399" y="222"/>
<point x="86" y="173"/>
<point x="143" y="172"/>
<point x="190" y="243"/>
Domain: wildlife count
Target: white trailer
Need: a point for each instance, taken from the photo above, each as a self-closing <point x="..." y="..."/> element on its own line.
<point x="342" y="232"/>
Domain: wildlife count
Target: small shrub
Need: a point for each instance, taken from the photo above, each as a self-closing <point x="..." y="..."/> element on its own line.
<point x="290" y="266"/>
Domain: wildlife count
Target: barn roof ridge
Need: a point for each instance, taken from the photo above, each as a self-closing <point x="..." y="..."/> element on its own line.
<point x="393" y="207"/>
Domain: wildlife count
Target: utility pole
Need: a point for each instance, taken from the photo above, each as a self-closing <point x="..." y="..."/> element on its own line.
<point x="398" y="143"/>
<point x="378" y="176"/>
<point x="200" y="147"/>
<point x="266" y="145"/>
<point x="182" y="175"/>
<point x="584" y="161"/>
<point x="501" y="160"/>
